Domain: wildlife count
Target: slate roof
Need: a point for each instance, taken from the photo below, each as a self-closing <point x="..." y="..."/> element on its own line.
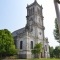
<point x="19" y="31"/>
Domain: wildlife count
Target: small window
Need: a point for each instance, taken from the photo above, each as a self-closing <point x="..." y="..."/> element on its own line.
<point x="33" y="10"/>
<point x="29" y="11"/>
<point x="21" y="44"/>
<point x="45" y="47"/>
<point x="31" y="44"/>
<point x="40" y="33"/>
<point x="38" y="10"/>
<point x="39" y="19"/>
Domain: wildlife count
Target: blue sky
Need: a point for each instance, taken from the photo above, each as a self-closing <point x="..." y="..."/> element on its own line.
<point x="13" y="16"/>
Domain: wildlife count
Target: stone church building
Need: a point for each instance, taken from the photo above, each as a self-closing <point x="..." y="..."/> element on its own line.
<point x="33" y="33"/>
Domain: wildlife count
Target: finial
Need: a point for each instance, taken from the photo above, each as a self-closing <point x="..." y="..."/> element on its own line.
<point x="27" y="4"/>
<point x="35" y="0"/>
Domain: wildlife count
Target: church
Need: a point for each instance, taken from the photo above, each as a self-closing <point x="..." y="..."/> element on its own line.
<point x="33" y="33"/>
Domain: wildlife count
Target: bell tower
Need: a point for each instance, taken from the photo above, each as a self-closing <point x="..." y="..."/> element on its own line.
<point x="35" y="22"/>
<point x="35" y="18"/>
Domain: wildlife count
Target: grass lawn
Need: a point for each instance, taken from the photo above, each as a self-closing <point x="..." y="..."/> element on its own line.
<point x="45" y="59"/>
<point x="32" y="59"/>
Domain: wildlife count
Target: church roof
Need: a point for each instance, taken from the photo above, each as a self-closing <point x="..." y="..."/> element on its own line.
<point x="19" y="31"/>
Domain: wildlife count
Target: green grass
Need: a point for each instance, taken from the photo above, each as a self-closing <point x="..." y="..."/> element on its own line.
<point x="33" y="59"/>
<point x="43" y="59"/>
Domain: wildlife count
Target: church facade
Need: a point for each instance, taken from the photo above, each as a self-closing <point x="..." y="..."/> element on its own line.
<point x="33" y="33"/>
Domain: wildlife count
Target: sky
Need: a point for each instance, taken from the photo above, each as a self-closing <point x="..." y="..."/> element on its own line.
<point x="13" y="16"/>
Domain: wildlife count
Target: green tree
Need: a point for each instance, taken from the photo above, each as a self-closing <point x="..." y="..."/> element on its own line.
<point x="51" y="49"/>
<point x="54" y="53"/>
<point x="37" y="50"/>
<point x="57" y="52"/>
<point x="56" y="31"/>
<point x="58" y="1"/>
<point x="7" y="46"/>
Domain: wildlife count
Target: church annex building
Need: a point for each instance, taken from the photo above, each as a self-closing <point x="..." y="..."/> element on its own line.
<point x="33" y="33"/>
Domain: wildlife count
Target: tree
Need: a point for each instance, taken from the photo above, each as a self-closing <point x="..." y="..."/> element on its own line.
<point x="57" y="52"/>
<point x="7" y="46"/>
<point x="37" y="50"/>
<point x="58" y="1"/>
<point x="54" y="53"/>
<point x="51" y="49"/>
<point x="56" y="31"/>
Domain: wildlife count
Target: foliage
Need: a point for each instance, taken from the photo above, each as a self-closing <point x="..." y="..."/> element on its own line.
<point x="56" y="31"/>
<point x="37" y="49"/>
<point x="54" y="53"/>
<point x="51" y="49"/>
<point x="58" y="1"/>
<point x="7" y="46"/>
<point x="57" y="52"/>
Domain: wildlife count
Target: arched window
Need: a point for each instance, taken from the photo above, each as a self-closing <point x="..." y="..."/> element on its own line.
<point x="45" y="47"/>
<point x="38" y="10"/>
<point x="31" y="44"/>
<point x="33" y="10"/>
<point x="40" y="33"/>
<point x="21" y="44"/>
<point x="29" y="12"/>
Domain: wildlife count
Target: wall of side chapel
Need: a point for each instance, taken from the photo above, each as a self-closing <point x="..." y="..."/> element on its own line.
<point x="29" y="39"/>
<point x="46" y="49"/>
<point x="24" y="46"/>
